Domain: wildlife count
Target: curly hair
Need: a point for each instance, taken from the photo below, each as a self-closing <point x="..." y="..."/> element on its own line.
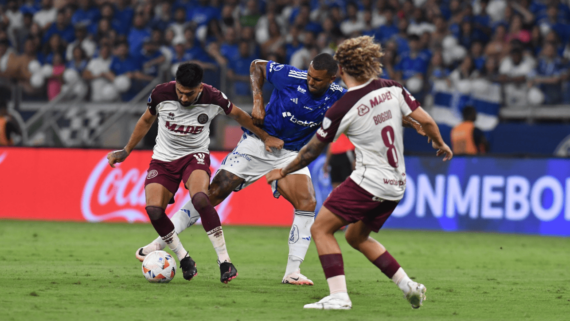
<point x="360" y="57"/>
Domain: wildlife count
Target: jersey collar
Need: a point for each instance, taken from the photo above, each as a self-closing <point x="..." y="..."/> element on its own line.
<point x="361" y="86"/>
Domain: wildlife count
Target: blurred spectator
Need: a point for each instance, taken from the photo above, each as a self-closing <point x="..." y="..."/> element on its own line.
<point x="516" y="31"/>
<point x="78" y="61"/>
<point x="549" y="72"/>
<point x="466" y="139"/>
<point x="419" y="25"/>
<point x="81" y="40"/>
<point x="352" y="23"/>
<point x="8" y="127"/>
<point x="514" y="70"/>
<point x="497" y="48"/>
<point x="138" y="33"/>
<point x="250" y="15"/>
<point x="53" y="46"/>
<point x="98" y="73"/>
<point x="229" y="48"/>
<point x="122" y="17"/>
<point x="238" y="71"/>
<point x="389" y="28"/>
<point x="369" y="29"/>
<point x="437" y="69"/>
<point x="401" y="38"/>
<point x="62" y="27"/>
<point x="47" y="15"/>
<point x="476" y="52"/>
<point x="55" y="82"/>
<point x="201" y="13"/>
<point x="482" y="23"/>
<point x="302" y="57"/>
<point x="275" y="39"/>
<point x="86" y="15"/>
<point x="13" y="18"/>
<point x="150" y="58"/>
<point x="163" y="19"/>
<point x="412" y="63"/>
<point x="212" y="33"/>
<point x="179" y="24"/>
<point x="22" y="33"/>
<point x="122" y="62"/>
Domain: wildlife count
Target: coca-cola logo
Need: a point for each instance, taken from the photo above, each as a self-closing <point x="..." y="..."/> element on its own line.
<point x="118" y="193"/>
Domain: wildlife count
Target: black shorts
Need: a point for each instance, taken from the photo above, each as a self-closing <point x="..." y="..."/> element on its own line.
<point x="341" y="167"/>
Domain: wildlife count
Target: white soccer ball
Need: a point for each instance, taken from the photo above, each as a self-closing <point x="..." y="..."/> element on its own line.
<point x="34" y="66"/>
<point x="122" y="83"/>
<point x="535" y="96"/>
<point x="37" y="80"/>
<point x="71" y="76"/>
<point x="159" y="267"/>
<point x="47" y="71"/>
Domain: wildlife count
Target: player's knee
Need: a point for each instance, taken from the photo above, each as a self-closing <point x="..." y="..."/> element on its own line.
<point x="154" y="212"/>
<point x="353" y="240"/>
<point x="200" y="201"/>
<point x="307" y="203"/>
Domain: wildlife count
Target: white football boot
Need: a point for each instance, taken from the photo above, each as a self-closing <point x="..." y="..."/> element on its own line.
<point x="338" y="301"/>
<point x="297" y="278"/>
<point x="416" y="294"/>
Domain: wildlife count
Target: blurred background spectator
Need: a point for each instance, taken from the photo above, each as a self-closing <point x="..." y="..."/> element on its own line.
<point x="489" y="54"/>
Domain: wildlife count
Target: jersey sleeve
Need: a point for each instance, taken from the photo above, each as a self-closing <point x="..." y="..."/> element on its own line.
<point x="334" y="124"/>
<point x="220" y="99"/>
<point x="153" y="102"/>
<point x="407" y="102"/>
<point x="282" y="75"/>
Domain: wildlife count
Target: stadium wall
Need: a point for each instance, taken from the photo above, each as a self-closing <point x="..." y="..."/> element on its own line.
<point x="529" y="196"/>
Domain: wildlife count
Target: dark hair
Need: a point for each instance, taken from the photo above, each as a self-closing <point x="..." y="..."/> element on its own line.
<point x="324" y="61"/>
<point x="189" y="75"/>
<point x="469" y="113"/>
<point x="413" y="37"/>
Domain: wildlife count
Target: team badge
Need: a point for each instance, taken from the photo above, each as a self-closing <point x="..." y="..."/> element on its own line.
<point x="326" y="123"/>
<point x="277" y="67"/>
<point x="363" y="110"/>
<point x="149" y="99"/>
<point x="294" y="236"/>
<point x="152" y="174"/>
<point x="203" y="118"/>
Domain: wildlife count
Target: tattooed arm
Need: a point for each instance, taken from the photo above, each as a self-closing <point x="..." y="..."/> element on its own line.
<point x="307" y="154"/>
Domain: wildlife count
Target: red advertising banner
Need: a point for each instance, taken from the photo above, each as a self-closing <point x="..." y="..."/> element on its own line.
<point x="79" y="185"/>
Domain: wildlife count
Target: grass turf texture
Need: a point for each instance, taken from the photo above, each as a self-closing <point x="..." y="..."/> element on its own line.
<point x="81" y="271"/>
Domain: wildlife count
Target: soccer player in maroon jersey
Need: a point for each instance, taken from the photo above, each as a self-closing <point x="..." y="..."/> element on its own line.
<point x="370" y="114"/>
<point x="184" y="109"/>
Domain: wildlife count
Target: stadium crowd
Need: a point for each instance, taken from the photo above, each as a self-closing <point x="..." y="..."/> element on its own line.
<point x="110" y="49"/>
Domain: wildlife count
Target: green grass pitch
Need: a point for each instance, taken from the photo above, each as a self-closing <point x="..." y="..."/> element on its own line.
<point x="81" y="271"/>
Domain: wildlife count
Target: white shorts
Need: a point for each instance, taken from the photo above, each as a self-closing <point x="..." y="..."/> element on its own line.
<point x="250" y="161"/>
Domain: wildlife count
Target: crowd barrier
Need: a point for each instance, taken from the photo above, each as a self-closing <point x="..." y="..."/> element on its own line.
<point x="504" y="195"/>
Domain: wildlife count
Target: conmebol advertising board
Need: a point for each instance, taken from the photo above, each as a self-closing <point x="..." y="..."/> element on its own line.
<point x="530" y="196"/>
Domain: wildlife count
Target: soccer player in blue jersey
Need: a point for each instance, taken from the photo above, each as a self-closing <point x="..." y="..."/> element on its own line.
<point x="294" y="113"/>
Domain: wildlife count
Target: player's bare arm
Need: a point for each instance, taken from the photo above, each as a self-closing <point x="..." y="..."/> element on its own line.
<point x="257" y="79"/>
<point x="432" y="131"/>
<point x="409" y="122"/>
<point x="141" y="128"/>
<point x="246" y="121"/>
<point x="307" y="154"/>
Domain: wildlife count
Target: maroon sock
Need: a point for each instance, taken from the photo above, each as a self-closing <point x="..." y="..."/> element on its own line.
<point x="208" y="214"/>
<point x="387" y="264"/>
<point x="162" y="224"/>
<point x="332" y="264"/>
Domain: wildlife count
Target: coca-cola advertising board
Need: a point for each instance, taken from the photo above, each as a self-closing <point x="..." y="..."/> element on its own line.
<point x="79" y="185"/>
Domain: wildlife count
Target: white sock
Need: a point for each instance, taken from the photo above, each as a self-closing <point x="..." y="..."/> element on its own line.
<point x="183" y="219"/>
<point x="217" y="238"/>
<point x="337" y="285"/>
<point x="299" y="239"/>
<point x="401" y="279"/>
<point x="173" y="242"/>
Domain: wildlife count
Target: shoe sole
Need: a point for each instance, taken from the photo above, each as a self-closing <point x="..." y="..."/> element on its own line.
<point x="140" y="258"/>
<point x="300" y="282"/>
<point x="417" y="298"/>
<point x="228" y="280"/>
<point x="322" y="307"/>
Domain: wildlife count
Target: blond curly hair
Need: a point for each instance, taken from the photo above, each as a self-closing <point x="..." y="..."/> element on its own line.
<point x="360" y="57"/>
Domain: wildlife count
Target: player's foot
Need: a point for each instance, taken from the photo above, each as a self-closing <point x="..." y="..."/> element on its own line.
<point x="228" y="272"/>
<point x="297" y="278"/>
<point x="338" y="301"/>
<point x="416" y="295"/>
<point x="188" y="267"/>
<point x="140" y="254"/>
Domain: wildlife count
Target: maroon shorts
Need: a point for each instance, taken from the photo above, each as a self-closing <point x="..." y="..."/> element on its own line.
<point x="352" y="203"/>
<point x="169" y="174"/>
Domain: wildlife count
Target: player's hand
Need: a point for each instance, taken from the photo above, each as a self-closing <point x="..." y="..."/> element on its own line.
<point x="273" y="142"/>
<point x="117" y="156"/>
<point x="274" y="175"/>
<point x="258" y="112"/>
<point x="443" y="150"/>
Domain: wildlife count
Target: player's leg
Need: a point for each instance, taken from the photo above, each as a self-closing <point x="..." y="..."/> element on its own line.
<point x="222" y="185"/>
<point x="298" y="190"/>
<point x="157" y="198"/>
<point x="358" y="236"/>
<point x="331" y="260"/>
<point x="198" y="184"/>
